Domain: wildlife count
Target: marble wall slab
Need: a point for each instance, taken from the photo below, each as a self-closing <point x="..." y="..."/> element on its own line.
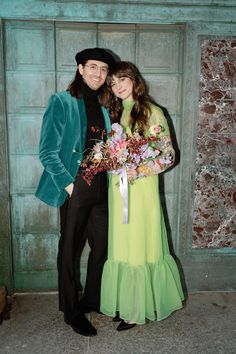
<point x="214" y="220"/>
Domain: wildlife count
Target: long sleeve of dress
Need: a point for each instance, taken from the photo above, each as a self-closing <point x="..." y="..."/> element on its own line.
<point x="167" y="156"/>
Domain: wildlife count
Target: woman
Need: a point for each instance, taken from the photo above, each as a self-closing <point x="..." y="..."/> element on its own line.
<point x="140" y="278"/>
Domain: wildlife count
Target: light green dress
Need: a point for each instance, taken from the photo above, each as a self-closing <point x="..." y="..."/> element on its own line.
<point x="140" y="278"/>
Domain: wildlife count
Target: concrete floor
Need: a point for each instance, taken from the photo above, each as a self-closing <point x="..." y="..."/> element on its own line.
<point x="207" y="324"/>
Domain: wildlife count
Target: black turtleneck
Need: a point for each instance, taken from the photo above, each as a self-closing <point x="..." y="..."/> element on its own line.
<point x="95" y="120"/>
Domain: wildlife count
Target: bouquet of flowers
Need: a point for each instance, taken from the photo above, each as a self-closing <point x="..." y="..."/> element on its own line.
<point x="121" y="151"/>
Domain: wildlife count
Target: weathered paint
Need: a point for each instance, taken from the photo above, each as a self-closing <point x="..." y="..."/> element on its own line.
<point x="5" y="232"/>
<point x="129" y="11"/>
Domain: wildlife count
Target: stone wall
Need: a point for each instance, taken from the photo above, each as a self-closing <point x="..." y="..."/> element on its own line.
<point x="214" y="222"/>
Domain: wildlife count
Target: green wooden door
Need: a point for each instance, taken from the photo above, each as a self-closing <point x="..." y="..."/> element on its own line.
<point x="30" y="78"/>
<point x="39" y="61"/>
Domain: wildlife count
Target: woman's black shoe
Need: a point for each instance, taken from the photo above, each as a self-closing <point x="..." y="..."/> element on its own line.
<point x="124" y="325"/>
<point x="82" y="326"/>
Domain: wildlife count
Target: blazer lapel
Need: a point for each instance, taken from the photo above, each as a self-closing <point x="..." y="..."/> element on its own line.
<point x="106" y="119"/>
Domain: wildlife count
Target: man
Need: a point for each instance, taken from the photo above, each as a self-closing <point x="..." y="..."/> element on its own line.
<point x="74" y="120"/>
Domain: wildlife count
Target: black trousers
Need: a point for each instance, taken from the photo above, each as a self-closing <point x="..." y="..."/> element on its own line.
<point x="83" y="216"/>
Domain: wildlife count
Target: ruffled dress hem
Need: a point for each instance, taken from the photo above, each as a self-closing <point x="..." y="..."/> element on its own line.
<point x="151" y="291"/>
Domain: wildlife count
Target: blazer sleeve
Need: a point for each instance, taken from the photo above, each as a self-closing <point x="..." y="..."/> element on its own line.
<point x="52" y="130"/>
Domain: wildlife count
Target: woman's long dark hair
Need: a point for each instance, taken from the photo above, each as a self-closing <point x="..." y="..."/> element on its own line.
<point x="141" y="109"/>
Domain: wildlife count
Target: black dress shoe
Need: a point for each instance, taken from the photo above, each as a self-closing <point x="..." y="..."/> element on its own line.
<point x="117" y="318"/>
<point x="82" y="326"/>
<point x="124" y="325"/>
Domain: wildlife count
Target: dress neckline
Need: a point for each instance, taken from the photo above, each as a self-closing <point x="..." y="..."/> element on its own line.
<point x="128" y="104"/>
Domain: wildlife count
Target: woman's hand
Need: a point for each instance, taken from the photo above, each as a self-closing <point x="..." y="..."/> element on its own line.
<point x="69" y="189"/>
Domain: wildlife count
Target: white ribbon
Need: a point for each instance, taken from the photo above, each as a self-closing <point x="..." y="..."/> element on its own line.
<point x="124" y="194"/>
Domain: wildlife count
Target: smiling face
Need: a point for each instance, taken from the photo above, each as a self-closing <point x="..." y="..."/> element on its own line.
<point x="94" y="73"/>
<point x="122" y="87"/>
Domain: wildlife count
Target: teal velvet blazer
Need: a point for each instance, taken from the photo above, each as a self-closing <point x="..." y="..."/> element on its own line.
<point x="62" y="142"/>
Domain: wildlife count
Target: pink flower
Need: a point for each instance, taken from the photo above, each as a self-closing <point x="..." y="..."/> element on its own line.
<point x="155" y="129"/>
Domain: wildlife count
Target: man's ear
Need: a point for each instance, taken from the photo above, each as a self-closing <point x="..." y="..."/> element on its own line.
<point x="80" y="68"/>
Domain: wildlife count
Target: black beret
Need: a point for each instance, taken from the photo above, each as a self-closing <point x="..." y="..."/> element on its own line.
<point x="95" y="54"/>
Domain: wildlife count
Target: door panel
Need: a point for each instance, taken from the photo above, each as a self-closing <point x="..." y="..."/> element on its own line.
<point x="166" y="90"/>
<point x="40" y="59"/>
<point x="29" y="46"/>
<point x="25" y="170"/>
<point x="70" y="39"/>
<point x="30" y="90"/>
<point x="120" y="39"/>
<point x="159" y="50"/>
